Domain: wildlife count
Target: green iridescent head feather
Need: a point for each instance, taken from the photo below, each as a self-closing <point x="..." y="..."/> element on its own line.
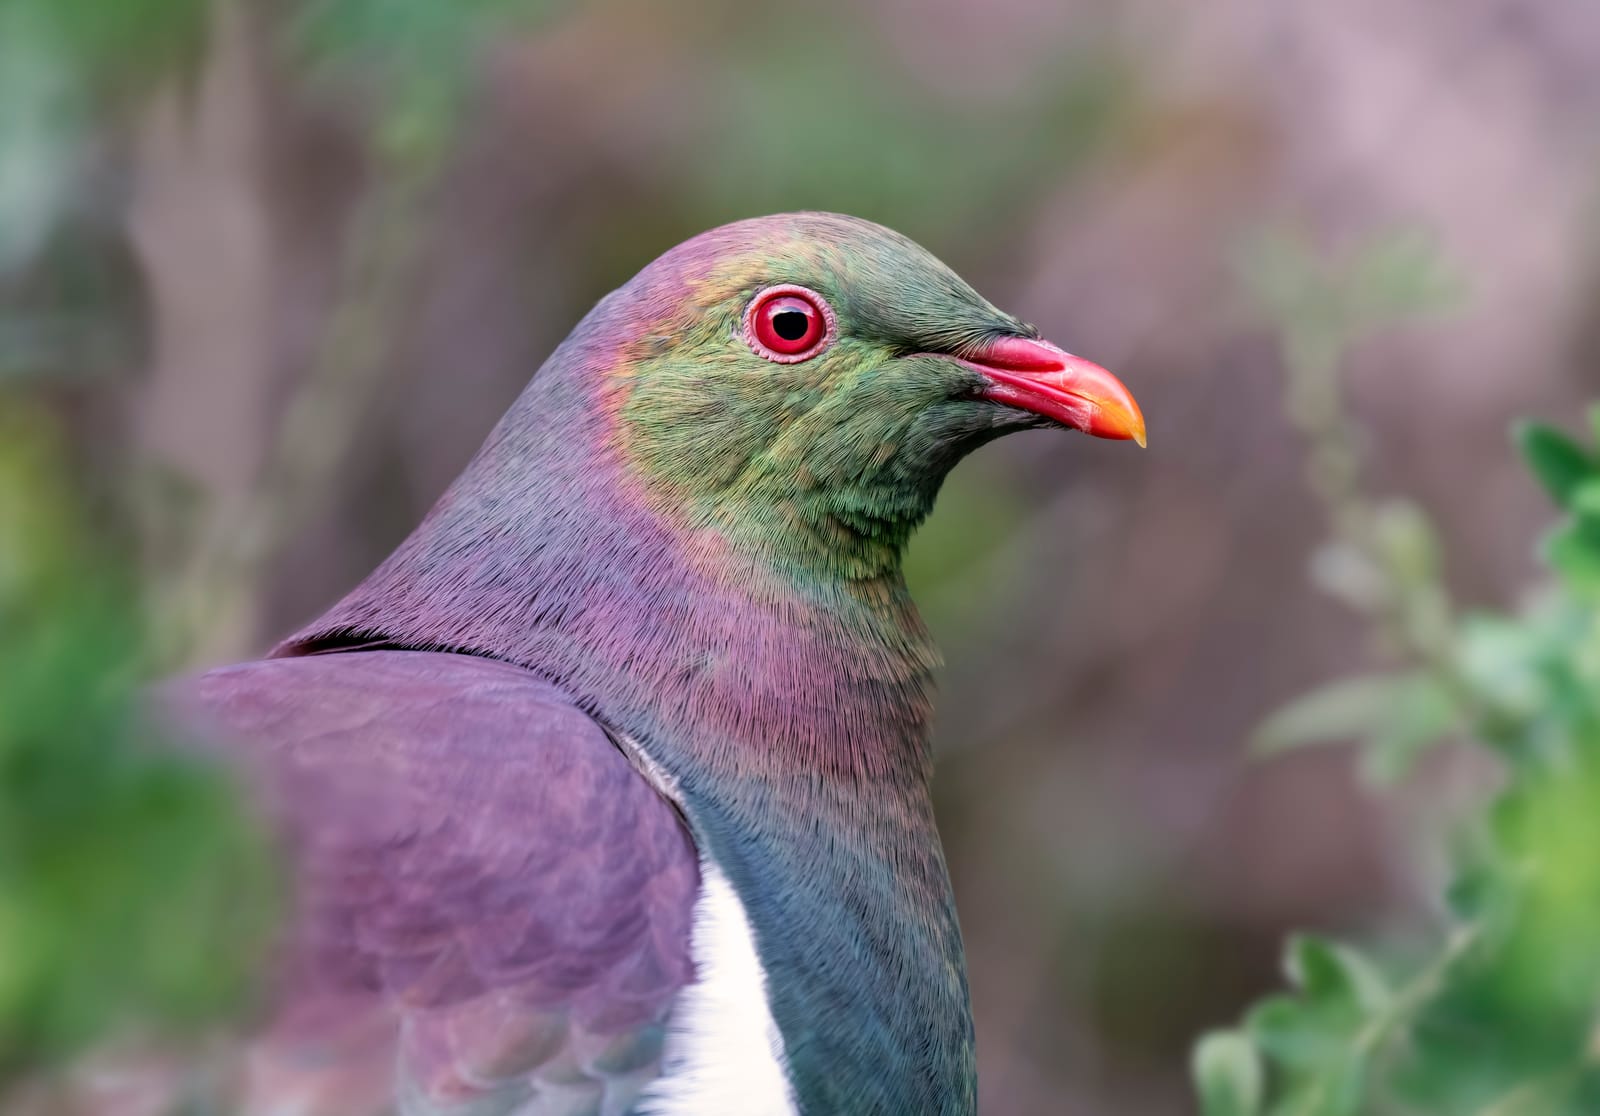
<point x="825" y="465"/>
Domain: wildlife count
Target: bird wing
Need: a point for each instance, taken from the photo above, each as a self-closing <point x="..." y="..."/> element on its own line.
<point x="492" y="906"/>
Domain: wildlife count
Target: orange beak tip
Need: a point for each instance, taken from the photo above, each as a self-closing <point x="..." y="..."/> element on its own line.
<point x="1036" y="376"/>
<point x="1136" y="425"/>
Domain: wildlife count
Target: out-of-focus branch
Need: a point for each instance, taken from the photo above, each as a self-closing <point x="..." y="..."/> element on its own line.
<point x="419" y="58"/>
<point x="217" y="597"/>
<point x="1381" y="557"/>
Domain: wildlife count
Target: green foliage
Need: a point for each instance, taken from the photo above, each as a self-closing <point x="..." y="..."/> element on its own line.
<point x="1227" y="1069"/>
<point x="409" y="31"/>
<point x="1498" y="1013"/>
<point x="1555" y="459"/>
<point x="1571" y="475"/>
<point x="418" y="52"/>
<point x="134" y="888"/>
<point x="910" y="131"/>
<point x="67" y="67"/>
<point x="1399" y="715"/>
<point x="118" y="46"/>
<point x="1326" y="305"/>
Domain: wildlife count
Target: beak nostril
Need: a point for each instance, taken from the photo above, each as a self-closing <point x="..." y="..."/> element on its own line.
<point x="1021" y="354"/>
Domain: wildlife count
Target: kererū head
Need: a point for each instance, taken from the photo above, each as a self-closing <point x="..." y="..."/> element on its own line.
<point x="730" y="450"/>
<point x="823" y="373"/>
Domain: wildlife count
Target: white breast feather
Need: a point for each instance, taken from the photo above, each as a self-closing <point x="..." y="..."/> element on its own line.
<point x="724" y="1054"/>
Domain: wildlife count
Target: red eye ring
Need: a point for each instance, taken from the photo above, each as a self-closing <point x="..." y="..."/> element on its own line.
<point x="789" y="323"/>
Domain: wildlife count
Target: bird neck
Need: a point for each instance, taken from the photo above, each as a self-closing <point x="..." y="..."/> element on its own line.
<point x="768" y="633"/>
<point x="784" y="695"/>
<point x="546" y="553"/>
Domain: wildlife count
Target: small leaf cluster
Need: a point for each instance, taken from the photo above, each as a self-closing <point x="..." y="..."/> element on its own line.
<point x="1493" y="1007"/>
<point x="1500" y="1015"/>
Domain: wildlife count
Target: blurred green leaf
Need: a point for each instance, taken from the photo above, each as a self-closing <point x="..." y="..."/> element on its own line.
<point x="1316" y="1035"/>
<point x="121" y="47"/>
<point x="1402" y="712"/>
<point x="41" y="125"/>
<point x="1349" y="574"/>
<point x="1407" y="540"/>
<point x="1422" y="715"/>
<point x="1330" y="973"/>
<point x="1573" y="551"/>
<point x="1314" y="1029"/>
<point x="1556" y="460"/>
<point x="1500" y="659"/>
<point x="1293" y="1033"/>
<point x="1397" y="275"/>
<point x="136" y="885"/>
<point x="1228" y="1075"/>
<point x="1476" y="892"/>
<point x="1585" y="498"/>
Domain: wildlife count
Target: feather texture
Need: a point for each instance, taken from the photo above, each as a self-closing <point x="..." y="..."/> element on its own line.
<point x="488" y="896"/>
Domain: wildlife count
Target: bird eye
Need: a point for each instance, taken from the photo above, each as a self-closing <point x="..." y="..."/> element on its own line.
<point x="788" y="324"/>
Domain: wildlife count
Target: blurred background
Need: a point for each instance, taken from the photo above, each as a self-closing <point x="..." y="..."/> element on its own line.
<point x="270" y="270"/>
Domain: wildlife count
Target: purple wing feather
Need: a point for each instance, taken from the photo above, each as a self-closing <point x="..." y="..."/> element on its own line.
<point x="492" y="907"/>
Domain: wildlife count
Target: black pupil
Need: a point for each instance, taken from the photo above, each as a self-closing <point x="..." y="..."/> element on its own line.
<point x="791" y="325"/>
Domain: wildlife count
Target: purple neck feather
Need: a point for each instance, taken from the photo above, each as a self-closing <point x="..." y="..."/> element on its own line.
<point x="549" y="552"/>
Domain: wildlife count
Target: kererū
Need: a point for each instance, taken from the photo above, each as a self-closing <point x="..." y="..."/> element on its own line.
<point x="608" y="791"/>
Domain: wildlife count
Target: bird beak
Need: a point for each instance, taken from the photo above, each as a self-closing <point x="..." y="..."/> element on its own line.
<point x="1038" y="377"/>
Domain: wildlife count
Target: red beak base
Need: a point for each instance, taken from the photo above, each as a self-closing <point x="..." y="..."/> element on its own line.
<point x="1038" y="377"/>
